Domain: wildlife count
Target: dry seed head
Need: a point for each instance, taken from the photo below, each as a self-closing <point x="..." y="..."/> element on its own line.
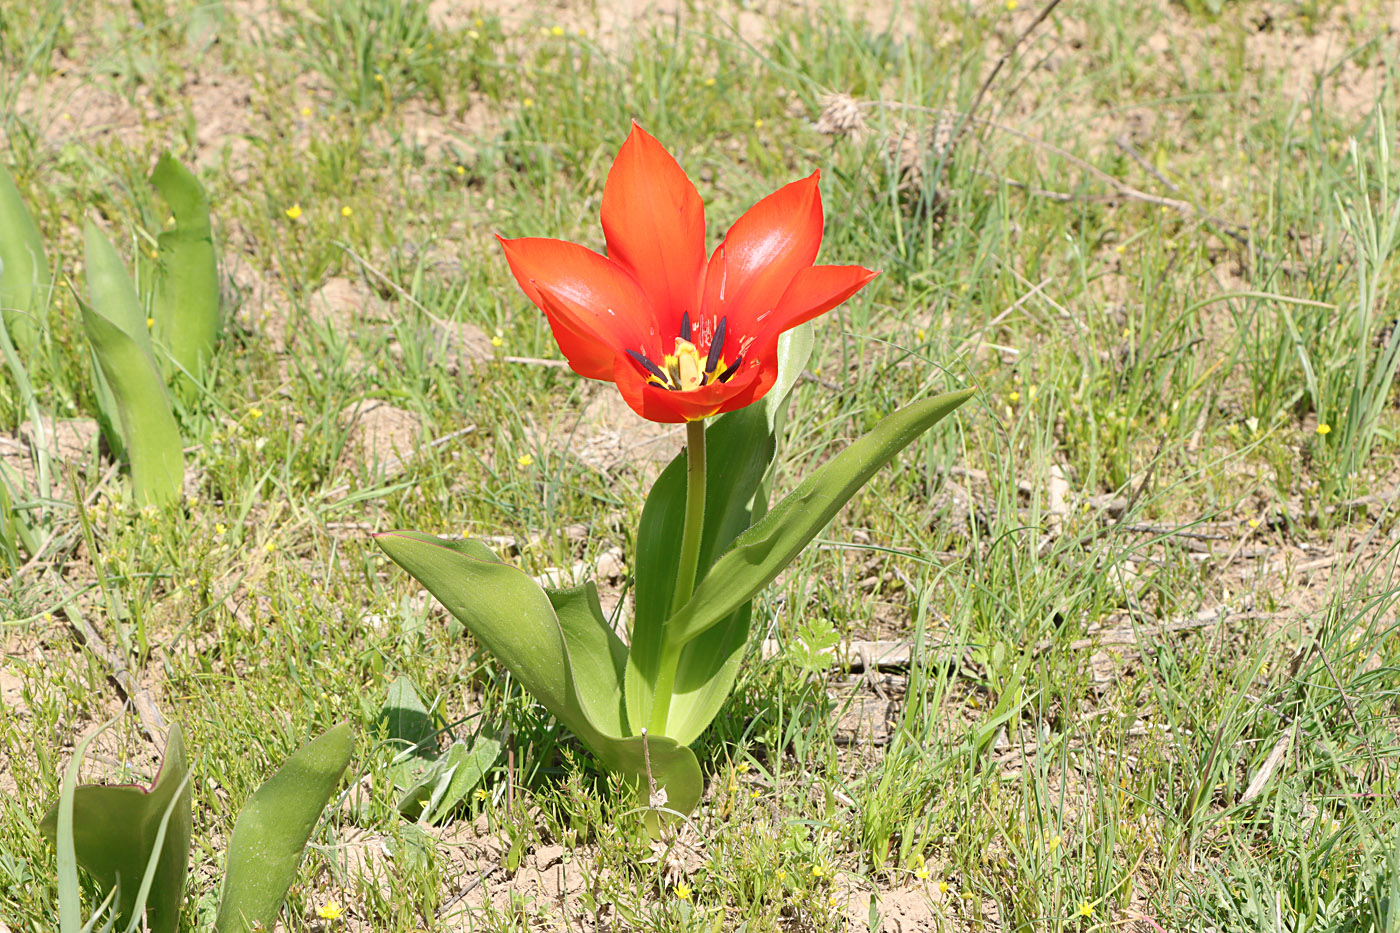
<point x="841" y="117"/>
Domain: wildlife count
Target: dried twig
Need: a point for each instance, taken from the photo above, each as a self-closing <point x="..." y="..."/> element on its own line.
<point x="153" y="724"/>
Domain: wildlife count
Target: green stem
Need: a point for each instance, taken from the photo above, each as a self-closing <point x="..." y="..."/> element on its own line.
<point x="685" y="571"/>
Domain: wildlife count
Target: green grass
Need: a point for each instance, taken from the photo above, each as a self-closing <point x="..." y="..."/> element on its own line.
<point x="1040" y="772"/>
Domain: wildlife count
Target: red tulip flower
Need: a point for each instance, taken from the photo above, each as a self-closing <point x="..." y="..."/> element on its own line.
<point x="682" y="336"/>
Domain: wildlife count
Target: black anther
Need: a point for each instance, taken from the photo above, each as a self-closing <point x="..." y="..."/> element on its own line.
<point x="648" y="365"/>
<point x="733" y="368"/>
<point x="685" y="327"/>
<point x="716" y="348"/>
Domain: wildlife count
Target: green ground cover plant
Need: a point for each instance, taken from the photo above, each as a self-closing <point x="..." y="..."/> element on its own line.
<point x="1112" y="647"/>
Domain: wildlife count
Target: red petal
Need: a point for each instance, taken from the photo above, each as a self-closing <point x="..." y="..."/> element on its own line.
<point x="667" y="407"/>
<point x="654" y="223"/>
<point x="763" y="251"/>
<point x="595" y="308"/>
<point x="815" y="291"/>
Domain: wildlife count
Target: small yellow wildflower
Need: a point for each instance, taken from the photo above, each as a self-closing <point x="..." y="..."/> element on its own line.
<point x="480" y="794"/>
<point x="379" y="77"/>
<point x="920" y="869"/>
<point x="964" y="287"/>
<point x="683" y="891"/>
<point x="819" y="871"/>
<point x="473" y="34"/>
<point x="1013" y="397"/>
<point x="1011" y="5"/>
<point x="528" y="102"/>
<point x="269" y="547"/>
<point x="294" y="211"/>
<point x="255" y="413"/>
<point x="221" y="529"/>
<point x="496" y="340"/>
<point x="709" y="82"/>
<point x="920" y="334"/>
<point x="524" y="460"/>
<point x="150" y="322"/>
<point x="758" y="124"/>
<point x="330" y="910"/>
<point x="742" y="767"/>
<point x="582" y="32"/>
<point x="306" y="111"/>
<point x="346" y="211"/>
<point x="557" y="31"/>
<point x="782" y="875"/>
<point x="461" y="170"/>
<point x="1254" y="523"/>
<point x="1324" y="428"/>
<point x="478" y="23"/>
<point x="1086" y="909"/>
<point x="1121" y="248"/>
<point x="942" y="887"/>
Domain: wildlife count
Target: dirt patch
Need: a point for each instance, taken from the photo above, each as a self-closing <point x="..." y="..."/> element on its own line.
<point x="443" y="138"/>
<point x="1310" y="60"/>
<point x="66" y="441"/>
<point x="380" y="436"/>
<point x="221" y="105"/>
<point x="902" y="910"/>
<point x="71" y="105"/>
<point x="609" y="436"/>
<point x="458" y="347"/>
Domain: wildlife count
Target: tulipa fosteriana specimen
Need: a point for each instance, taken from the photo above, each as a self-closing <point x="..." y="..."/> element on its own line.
<point x="685" y="338"/>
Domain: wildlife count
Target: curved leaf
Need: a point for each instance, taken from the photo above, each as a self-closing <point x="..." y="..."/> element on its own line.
<point x="143" y="410"/>
<point x="24" y="270"/>
<point x="506" y="610"/>
<point x="761" y="553"/>
<point x="115" y="829"/>
<point x="186" y="305"/>
<point x="272" y="831"/>
<point x="557" y="644"/>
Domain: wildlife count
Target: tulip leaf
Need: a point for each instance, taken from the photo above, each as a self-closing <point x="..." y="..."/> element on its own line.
<point x="597" y="657"/>
<point x="143" y="410"/>
<point x="740" y="447"/>
<point x="24" y="269"/>
<point x="186" y="305"/>
<point x="272" y="830"/>
<point x="131" y="394"/>
<point x="761" y="553"/>
<point x="117" y="828"/>
<point x="452" y="777"/>
<point x="504" y="609"/>
<point x="557" y="644"/>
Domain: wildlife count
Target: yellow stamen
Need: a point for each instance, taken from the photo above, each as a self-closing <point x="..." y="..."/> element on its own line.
<point x="686" y="369"/>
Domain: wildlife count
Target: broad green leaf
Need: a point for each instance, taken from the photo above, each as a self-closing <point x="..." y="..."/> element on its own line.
<point x="147" y="424"/>
<point x="115" y="831"/>
<point x="464" y="769"/>
<point x="739" y="451"/>
<point x="761" y="553"/>
<point x="504" y="609"/>
<point x="272" y="830"/>
<point x="518" y="623"/>
<point x="110" y="291"/>
<point x="24" y="270"/>
<point x="597" y="656"/>
<point x="406" y="722"/>
<point x="186" y="305"/>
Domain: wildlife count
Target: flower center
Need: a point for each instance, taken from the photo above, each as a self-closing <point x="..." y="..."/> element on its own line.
<point x="684" y="369"/>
